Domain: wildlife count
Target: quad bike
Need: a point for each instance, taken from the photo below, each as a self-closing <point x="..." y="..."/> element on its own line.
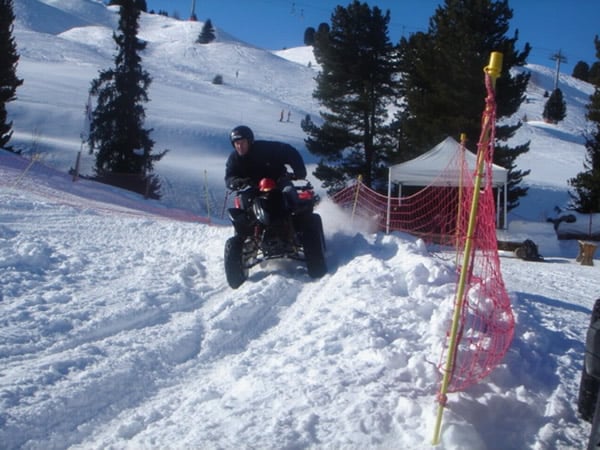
<point x="267" y="228"/>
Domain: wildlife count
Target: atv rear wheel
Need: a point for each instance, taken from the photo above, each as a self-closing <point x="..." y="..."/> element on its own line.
<point x="313" y="242"/>
<point x="589" y="386"/>
<point x="235" y="269"/>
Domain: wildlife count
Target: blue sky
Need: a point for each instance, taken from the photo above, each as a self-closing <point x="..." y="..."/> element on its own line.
<point x="548" y="25"/>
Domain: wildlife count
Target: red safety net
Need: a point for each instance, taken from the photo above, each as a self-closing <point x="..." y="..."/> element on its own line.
<point x="487" y="322"/>
<point x="440" y="214"/>
<point x="433" y="212"/>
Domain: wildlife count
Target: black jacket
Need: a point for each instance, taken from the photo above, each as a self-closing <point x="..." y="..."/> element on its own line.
<point x="265" y="159"/>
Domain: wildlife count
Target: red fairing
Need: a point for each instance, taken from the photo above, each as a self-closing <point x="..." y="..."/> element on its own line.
<point x="306" y="195"/>
<point x="266" y="185"/>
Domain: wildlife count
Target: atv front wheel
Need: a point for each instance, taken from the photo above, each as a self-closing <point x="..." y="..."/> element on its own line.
<point x="589" y="386"/>
<point x="313" y="242"/>
<point x="235" y="269"/>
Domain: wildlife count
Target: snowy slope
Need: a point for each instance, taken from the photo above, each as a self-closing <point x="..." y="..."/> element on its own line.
<point x="119" y="330"/>
<point x="190" y="116"/>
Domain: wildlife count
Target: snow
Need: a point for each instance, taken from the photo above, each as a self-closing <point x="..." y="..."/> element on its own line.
<point x="118" y="329"/>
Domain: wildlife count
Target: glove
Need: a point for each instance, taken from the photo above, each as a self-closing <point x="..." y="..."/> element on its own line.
<point x="238" y="183"/>
<point x="291" y="176"/>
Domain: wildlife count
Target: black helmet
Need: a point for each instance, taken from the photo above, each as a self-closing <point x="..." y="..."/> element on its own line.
<point x="241" y="132"/>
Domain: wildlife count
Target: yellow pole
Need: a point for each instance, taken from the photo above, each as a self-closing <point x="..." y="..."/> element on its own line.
<point x="493" y="70"/>
<point x="356" y="196"/>
<point x="463" y="139"/>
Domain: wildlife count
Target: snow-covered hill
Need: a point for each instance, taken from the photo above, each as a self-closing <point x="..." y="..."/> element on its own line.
<point x="119" y="330"/>
<point x="190" y="115"/>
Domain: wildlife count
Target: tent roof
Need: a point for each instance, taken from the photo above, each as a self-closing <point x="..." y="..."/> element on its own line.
<point x="434" y="167"/>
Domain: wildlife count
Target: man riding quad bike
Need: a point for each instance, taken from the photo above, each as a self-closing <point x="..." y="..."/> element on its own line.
<point x="272" y="217"/>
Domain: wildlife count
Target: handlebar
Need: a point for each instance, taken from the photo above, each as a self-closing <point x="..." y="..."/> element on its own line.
<point x="248" y="185"/>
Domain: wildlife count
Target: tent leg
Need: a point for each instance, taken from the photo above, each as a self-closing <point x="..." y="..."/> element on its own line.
<point x="498" y="208"/>
<point x="389" y="202"/>
<point x="505" y="206"/>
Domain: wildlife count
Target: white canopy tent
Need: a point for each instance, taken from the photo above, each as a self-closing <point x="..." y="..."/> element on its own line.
<point x="433" y="168"/>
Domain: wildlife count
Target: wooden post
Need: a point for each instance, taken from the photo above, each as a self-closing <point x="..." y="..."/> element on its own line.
<point x="586" y="253"/>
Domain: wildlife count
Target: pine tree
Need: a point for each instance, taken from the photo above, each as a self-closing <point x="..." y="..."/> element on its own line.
<point x="555" y="108"/>
<point x="207" y="34"/>
<point x="585" y="195"/>
<point x="323" y="28"/>
<point x="8" y="70"/>
<point x="594" y="74"/>
<point x="581" y="71"/>
<point x="117" y="135"/>
<point x="355" y="86"/>
<point x="309" y="36"/>
<point x="442" y="85"/>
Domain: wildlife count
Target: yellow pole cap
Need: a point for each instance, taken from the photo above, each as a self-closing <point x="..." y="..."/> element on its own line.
<point x="494" y="68"/>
